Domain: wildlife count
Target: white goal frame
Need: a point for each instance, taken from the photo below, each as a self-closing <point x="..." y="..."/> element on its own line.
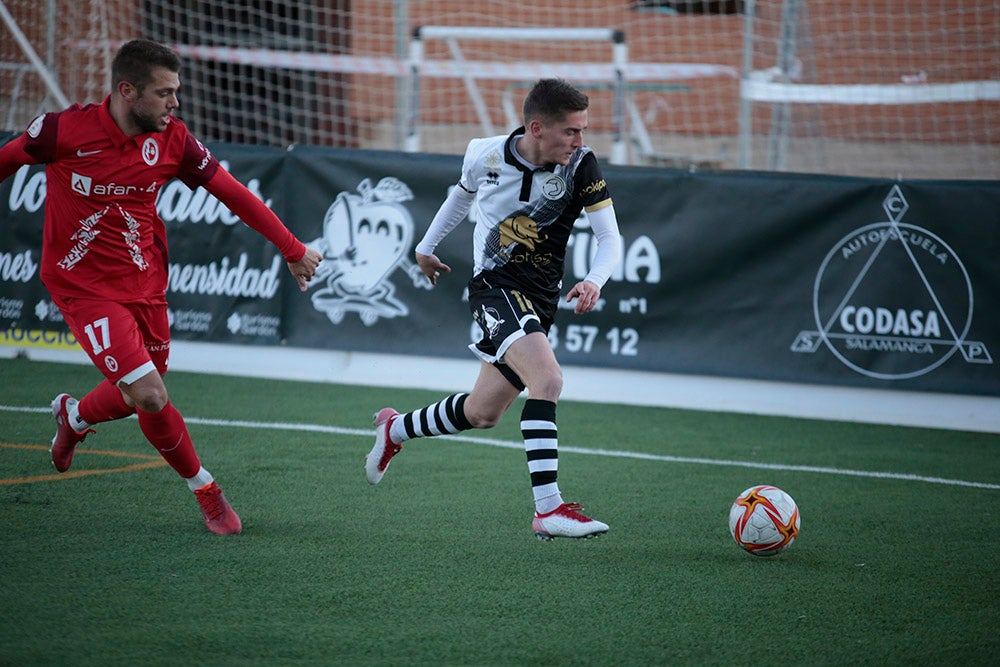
<point x="470" y="71"/>
<point x="621" y="75"/>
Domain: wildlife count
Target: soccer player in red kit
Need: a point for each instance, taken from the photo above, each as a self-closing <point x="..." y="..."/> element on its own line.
<point x="104" y="251"/>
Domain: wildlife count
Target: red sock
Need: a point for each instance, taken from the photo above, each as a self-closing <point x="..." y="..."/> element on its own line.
<point x="168" y="433"/>
<point x="103" y="403"/>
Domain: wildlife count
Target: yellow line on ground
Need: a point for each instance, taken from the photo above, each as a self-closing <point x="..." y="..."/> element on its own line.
<point x="151" y="461"/>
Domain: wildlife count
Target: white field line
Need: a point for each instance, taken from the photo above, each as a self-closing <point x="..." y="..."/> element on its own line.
<point x="611" y="453"/>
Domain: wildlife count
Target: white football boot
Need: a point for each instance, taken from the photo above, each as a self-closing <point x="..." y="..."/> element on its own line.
<point x="384" y="449"/>
<point x="566" y="521"/>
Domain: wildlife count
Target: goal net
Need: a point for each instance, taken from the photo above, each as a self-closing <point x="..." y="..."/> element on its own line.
<point x="863" y="87"/>
<point x="872" y="87"/>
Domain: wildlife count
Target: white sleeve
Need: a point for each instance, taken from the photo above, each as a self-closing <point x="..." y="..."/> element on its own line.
<point x="609" y="244"/>
<point x="452" y="211"/>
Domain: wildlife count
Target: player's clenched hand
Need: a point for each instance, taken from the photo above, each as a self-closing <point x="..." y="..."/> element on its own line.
<point x="305" y="268"/>
<point x="432" y="267"/>
<point x="586" y="294"/>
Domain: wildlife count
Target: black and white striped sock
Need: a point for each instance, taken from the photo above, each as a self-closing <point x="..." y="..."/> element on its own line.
<point x="441" y="418"/>
<point x="541" y="444"/>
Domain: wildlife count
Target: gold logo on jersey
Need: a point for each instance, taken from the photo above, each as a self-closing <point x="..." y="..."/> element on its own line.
<point x="493" y="160"/>
<point x="521" y="229"/>
<point x="596" y="186"/>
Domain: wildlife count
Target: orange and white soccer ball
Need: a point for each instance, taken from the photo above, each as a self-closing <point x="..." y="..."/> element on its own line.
<point x="764" y="520"/>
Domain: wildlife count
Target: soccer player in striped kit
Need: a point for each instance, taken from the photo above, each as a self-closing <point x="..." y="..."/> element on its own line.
<point x="104" y="251"/>
<point x="526" y="191"/>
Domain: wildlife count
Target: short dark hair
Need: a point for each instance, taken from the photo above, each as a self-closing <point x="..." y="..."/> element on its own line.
<point x="136" y="60"/>
<point x="551" y="99"/>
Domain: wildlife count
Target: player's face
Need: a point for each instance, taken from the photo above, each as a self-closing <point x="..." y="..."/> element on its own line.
<point x="152" y="108"/>
<point x="560" y="139"/>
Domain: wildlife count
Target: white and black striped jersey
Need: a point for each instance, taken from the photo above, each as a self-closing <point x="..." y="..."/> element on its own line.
<point x="524" y="215"/>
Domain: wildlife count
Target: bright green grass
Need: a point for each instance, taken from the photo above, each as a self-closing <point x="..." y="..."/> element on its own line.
<point x="437" y="565"/>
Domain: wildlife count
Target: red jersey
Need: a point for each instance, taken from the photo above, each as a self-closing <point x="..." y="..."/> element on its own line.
<point x="103" y="237"/>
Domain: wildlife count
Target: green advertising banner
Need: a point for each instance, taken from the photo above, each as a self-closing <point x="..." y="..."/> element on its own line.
<point x="787" y="277"/>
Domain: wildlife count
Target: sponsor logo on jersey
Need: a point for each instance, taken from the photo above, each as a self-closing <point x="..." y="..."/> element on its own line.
<point x="207" y="156"/>
<point x="82" y="153"/>
<point x="494" y="160"/>
<point x="83" y="236"/>
<point x="132" y="239"/>
<point x="36" y="127"/>
<point x="520" y="229"/>
<point x="597" y="186"/>
<point x="150" y="151"/>
<point x="80" y="184"/>
<point x="85" y="186"/>
<point x="553" y="188"/>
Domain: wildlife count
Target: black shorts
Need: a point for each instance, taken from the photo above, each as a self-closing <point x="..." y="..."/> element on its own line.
<point x="504" y="315"/>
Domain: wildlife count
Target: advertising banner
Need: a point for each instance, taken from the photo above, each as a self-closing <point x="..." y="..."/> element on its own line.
<point x="365" y="212"/>
<point x="227" y="282"/>
<point x="787" y="277"/>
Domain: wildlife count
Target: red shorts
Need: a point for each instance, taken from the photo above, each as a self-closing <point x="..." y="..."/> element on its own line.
<point x="124" y="340"/>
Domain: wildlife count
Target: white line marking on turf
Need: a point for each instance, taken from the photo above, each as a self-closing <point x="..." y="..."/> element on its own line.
<point x="612" y="453"/>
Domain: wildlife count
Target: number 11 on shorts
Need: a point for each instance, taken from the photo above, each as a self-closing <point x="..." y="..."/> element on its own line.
<point x="525" y="305"/>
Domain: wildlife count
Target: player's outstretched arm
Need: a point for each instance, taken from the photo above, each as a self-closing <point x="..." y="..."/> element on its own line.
<point x="302" y="261"/>
<point x="13" y="157"/>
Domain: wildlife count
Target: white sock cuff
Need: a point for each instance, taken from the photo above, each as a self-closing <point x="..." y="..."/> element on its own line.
<point x="397" y="431"/>
<point x="547" y="498"/>
<point x="75" y="420"/>
<point x="201" y="479"/>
